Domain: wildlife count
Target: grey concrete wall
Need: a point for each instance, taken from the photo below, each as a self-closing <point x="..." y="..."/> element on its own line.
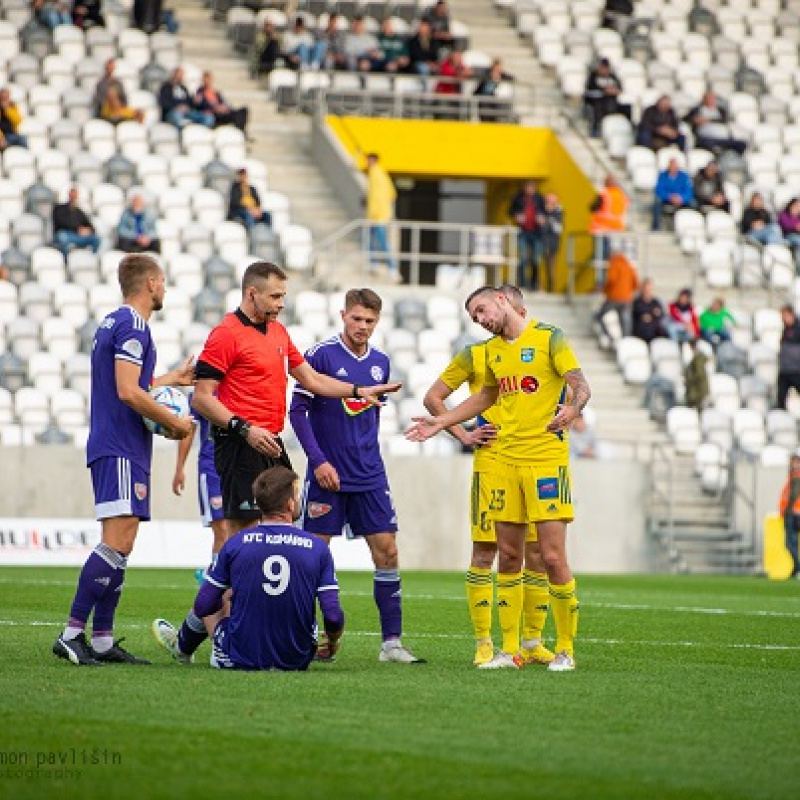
<point x="336" y="165"/>
<point x="432" y="496"/>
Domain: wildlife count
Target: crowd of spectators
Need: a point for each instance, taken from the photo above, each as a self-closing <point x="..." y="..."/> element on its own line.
<point x="87" y="14"/>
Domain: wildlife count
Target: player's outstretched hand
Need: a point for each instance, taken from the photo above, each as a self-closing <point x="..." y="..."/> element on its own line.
<point x="373" y="393"/>
<point x="178" y="482"/>
<point x="480" y="436"/>
<point x="423" y="428"/>
<point x="564" y="417"/>
<point x="184" y="374"/>
<point x="327" y="477"/>
<point x="180" y="428"/>
<point x="262" y="440"/>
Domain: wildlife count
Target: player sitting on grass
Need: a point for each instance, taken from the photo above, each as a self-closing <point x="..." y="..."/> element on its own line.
<point x="275" y="572"/>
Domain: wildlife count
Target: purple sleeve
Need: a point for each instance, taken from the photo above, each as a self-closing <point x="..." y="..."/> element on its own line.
<point x="332" y="613"/>
<point x="208" y="600"/>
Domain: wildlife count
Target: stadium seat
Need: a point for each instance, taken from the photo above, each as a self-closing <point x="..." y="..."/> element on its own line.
<point x="775" y="455"/>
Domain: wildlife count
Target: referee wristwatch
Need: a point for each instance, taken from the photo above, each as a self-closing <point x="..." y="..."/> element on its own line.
<point x="239" y="426"/>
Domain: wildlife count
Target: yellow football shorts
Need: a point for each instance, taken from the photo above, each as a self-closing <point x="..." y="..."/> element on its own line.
<point x="530" y="493"/>
<point x="482" y="524"/>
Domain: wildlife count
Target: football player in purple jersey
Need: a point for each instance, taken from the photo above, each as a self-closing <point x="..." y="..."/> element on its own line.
<point x="346" y="482"/>
<point x="119" y="454"/>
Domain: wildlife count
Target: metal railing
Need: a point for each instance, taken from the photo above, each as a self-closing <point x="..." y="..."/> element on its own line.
<point x="459" y="245"/>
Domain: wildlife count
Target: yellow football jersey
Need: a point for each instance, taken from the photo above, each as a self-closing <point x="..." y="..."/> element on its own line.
<point x="469" y="366"/>
<point x="530" y="375"/>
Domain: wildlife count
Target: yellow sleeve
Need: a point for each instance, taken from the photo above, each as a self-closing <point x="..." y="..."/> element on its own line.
<point x="561" y="354"/>
<point x="489" y="378"/>
<point x="459" y="370"/>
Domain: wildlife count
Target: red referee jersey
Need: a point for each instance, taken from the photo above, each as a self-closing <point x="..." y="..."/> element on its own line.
<point x="253" y="366"/>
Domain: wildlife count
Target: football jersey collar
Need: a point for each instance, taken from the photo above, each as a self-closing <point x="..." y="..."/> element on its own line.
<point x="350" y="352"/>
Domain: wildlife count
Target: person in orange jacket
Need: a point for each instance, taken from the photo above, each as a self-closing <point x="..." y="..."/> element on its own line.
<point x="790" y="511"/>
<point x="622" y="281"/>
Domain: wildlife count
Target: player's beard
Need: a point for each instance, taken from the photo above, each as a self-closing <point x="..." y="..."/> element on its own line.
<point x="158" y="303"/>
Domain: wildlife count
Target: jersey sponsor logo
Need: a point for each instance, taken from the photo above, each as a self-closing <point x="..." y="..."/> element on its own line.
<point x="316" y="510"/>
<point x="133" y="347"/>
<point x="353" y="406"/>
<point x="376" y="372"/>
<point x="341" y="372"/>
<point x="216" y="503"/>
<point x="547" y="488"/>
<point x="140" y="489"/>
<point x="527" y="354"/>
<point x="529" y="384"/>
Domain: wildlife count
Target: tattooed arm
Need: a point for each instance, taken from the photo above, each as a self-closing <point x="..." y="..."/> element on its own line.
<point x="580" y="397"/>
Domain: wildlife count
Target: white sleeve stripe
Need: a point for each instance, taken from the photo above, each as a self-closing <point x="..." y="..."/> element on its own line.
<point x="216" y="583"/>
<point x="332" y="588"/>
<point x="298" y="390"/>
<point x="121" y="357"/>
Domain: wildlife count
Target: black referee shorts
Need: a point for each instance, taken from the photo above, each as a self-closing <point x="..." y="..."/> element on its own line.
<point x="238" y="465"/>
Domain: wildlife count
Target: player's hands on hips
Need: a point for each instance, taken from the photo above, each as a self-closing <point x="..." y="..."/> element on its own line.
<point x="262" y="440"/>
<point x="564" y="417"/>
<point x="423" y="428"/>
<point x="327" y="477"/>
<point x="373" y="393"/>
<point x="178" y="482"/>
<point x="480" y="436"/>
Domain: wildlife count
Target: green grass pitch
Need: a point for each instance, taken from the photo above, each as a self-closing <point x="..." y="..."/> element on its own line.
<point x="686" y="688"/>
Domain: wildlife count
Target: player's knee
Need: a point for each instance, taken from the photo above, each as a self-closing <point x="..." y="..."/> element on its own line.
<point x="483" y="558"/>
<point x="385" y="557"/>
<point x="553" y="558"/>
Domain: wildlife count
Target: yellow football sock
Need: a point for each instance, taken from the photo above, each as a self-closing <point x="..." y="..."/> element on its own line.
<point x="480" y="593"/>
<point x="509" y="608"/>
<point x="535" y="602"/>
<point x="565" y="613"/>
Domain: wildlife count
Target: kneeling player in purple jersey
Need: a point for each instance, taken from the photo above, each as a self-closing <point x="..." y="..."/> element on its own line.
<point x="276" y="573"/>
<point x="346" y="480"/>
<point x="119" y="455"/>
<point x="209" y="488"/>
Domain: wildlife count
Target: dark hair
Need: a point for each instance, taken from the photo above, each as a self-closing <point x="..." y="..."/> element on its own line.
<point x="481" y="290"/>
<point x="261" y="271"/>
<point x="373" y="155"/>
<point x="512" y="293"/>
<point x="134" y="270"/>
<point x="273" y="489"/>
<point x="363" y="297"/>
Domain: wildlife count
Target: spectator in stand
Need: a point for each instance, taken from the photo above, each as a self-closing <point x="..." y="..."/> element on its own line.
<point x="454" y="72"/>
<point x="616" y="15"/>
<point x="709" y="123"/>
<point x="423" y="50"/>
<point x="582" y="438"/>
<point x="245" y="204"/>
<point x="51" y="13"/>
<point x="176" y="103"/>
<point x="5" y="274"/>
<point x="527" y="210"/>
<point x="362" y="48"/>
<point x="10" y="120"/>
<point x="789" y="220"/>
<point x="715" y="322"/>
<point x="552" y="228"/>
<point x="682" y="324"/>
<point x="601" y="95"/>
<point x="493" y="110"/>
<point x="673" y="192"/>
<point x="137" y="231"/>
<point x="609" y="215"/>
<point x="659" y="126"/>
<point x="709" y="189"/>
<point x="266" y="49"/>
<point x="648" y="314"/>
<point x="207" y="98"/>
<point x="113" y="110"/>
<point x="72" y="228"/>
<point x="88" y="14"/>
<point x="695" y="377"/>
<point x="108" y="80"/>
<point x="439" y="19"/>
<point x="790" y="511"/>
<point x="333" y="39"/>
<point x="381" y="196"/>
<point x="757" y="223"/>
<point x="300" y="49"/>
<point x="622" y="280"/>
<point x="394" y="49"/>
<point x="788" y="355"/>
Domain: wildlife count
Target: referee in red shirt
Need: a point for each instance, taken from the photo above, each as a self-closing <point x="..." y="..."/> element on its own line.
<point x="242" y="376"/>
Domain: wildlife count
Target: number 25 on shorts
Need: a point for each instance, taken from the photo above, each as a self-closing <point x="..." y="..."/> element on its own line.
<point x="498" y="501"/>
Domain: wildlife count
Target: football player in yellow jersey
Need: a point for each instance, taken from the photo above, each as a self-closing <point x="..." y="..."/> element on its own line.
<point x="528" y="366"/>
<point x="469" y="366"/>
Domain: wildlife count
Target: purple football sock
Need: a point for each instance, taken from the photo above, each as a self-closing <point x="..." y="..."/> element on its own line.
<point x="97" y="574"/>
<point x="106" y="606"/>
<point x="192" y="634"/>
<point x="386" y="591"/>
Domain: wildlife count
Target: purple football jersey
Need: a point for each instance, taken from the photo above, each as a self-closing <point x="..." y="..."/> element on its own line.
<point x="205" y="456"/>
<point x="276" y="573"/>
<point x="115" y="429"/>
<point x="346" y="430"/>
